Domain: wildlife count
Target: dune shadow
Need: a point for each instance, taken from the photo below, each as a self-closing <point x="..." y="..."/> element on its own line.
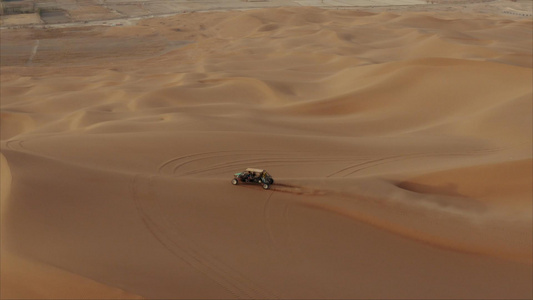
<point x="446" y="189"/>
<point x="445" y="195"/>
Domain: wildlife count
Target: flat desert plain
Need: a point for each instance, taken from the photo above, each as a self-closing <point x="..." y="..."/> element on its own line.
<point x="400" y="143"/>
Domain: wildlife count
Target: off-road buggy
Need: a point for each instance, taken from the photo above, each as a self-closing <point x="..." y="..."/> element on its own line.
<point x="252" y="175"/>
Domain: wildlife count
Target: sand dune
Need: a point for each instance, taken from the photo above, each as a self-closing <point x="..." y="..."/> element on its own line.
<point x="400" y="143"/>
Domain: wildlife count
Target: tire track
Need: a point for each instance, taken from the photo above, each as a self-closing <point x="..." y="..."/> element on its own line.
<point x="170" y="161"/>
<point x="266" y="218"/>
<point x="238" y="279"/>
<point x="370" y="162"/>
<point x="162" y="166"/>
<point x="476" y="152"/>
<point x="317" y="159"/>
<point x="178" y="163"/>
<point x="239" y="163"/>
<point x="16" y="142"/>
<point x="172" y="247"/>
<point x="280" y="242"/>
<point x="298" y="190"/>
<point x="177" y="167"/>
<point x="234" y="153"/>
<point x="350" y="170"/>
<point x="168" y="234"/>
<point x="33" y="52"/>
<point x="286" y="219"/>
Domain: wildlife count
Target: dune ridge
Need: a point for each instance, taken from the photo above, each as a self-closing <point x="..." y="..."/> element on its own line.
<point x="400" y="144"/>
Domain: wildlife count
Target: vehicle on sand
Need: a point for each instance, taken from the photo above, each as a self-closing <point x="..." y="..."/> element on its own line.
<point x="252" y="175"/>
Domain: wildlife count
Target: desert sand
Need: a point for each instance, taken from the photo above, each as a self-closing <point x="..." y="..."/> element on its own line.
<point x="400" y="142"/>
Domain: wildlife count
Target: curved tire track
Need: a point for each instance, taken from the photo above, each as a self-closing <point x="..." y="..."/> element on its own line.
<point x="187" y="158"/>
<point x="168" y="234"/>
<point x="239" y="163"/>
<point x="250" y="157"/>
<point x="391" y="159"/>
<point x="19" y="147"/>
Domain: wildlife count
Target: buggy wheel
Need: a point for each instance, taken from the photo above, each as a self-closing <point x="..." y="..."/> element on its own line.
<point x="234" y="181"/>
<point x="266" y="186"/>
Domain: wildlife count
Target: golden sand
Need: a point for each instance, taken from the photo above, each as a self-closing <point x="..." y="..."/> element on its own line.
<point x="400" y="142"/>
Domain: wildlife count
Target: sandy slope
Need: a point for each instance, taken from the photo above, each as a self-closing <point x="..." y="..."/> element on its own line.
<point x="400" y="144"/>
